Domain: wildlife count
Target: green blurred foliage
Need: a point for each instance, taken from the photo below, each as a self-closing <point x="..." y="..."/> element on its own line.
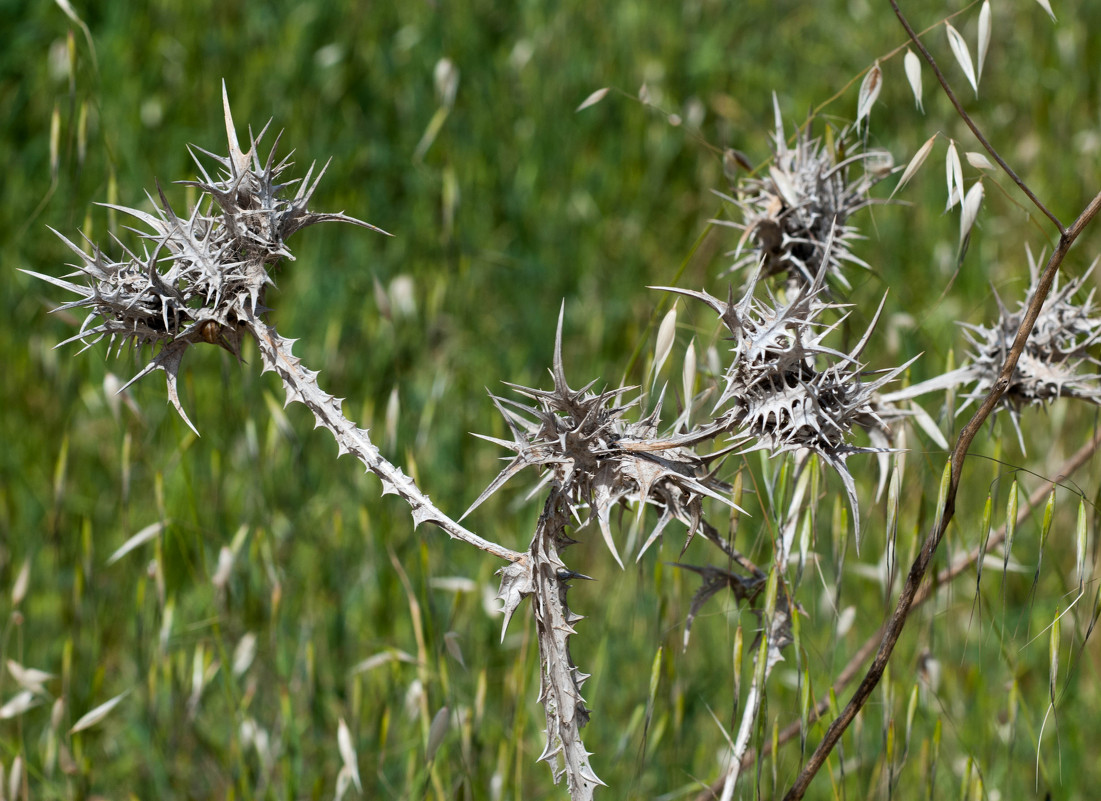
<point x="503" y="204"/>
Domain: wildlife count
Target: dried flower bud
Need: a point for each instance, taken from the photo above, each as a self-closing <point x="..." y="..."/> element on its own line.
<point x="198" y="278"/>
<point x="789" y="215"/>
<point x="597" y="458"/>
<point x="1059" y="358"/>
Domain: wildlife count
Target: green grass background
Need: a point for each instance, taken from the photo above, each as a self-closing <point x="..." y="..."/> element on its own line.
<point x="515" y="205"/>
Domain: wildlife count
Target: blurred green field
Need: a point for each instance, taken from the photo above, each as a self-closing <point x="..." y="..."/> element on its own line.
<point x="502" y="206"/>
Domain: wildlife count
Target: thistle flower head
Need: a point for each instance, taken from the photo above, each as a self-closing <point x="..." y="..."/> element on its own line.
<point x="788" y="215"/>
<point x="198" y="277"/>
<point x="1060" y="356"/>
<point x="597" y="458"/>
<point x="786" y="389"/>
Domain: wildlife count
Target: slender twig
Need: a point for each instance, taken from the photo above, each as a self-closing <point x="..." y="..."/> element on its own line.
<point x="971" y="123"/>
<point x="921" y="564"/>
<point x="766" y="659"/>
<point x="944" y="577"/>
<point x="774" y="632"/>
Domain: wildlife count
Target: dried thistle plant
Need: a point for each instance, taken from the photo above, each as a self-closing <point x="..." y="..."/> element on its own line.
<point x="202" y="278"/>
<point x="789" y="216"/>
<point x="1060" y="356"/>
<point x="1059" y="359"/>
<point x="597" y="458"/>
<point x="786" y="390"/>
<point x="593" y="459"/>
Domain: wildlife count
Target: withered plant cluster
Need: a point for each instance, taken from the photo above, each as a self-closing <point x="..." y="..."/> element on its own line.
<point x="789" y="385"/>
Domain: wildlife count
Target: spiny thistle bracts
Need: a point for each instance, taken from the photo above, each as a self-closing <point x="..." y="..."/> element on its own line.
<point x="785" y="389"/>
<point x="1060" y="356"/>
<point x="788" y="216"/>
<point x="597" y="458"/>
<point x="200" y="277"/>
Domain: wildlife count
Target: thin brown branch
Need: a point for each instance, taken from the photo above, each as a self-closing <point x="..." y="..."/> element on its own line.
<point x="944" y="577"/>
<point x="971" y="123"/>
<point x="921" y="564"/>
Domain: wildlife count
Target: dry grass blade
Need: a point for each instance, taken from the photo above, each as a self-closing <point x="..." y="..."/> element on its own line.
<point x="15" y="781"/>
<point x="145" y="535"/>
<point x="667" y="333"/>
<point x="970" y="210"/>
<point x="688" y="378"/>
<point x="436" y="732"/>
<point x="1081" y="535"/>
<point x="18" y="704"/>
<point x="21" y="584"/>
<point x="870" y="88"/>
<point x="31" y="679"/>
<point x="244" y="653"/>
<point x="978" y="160"/>
<point x="915" y="163"/>
<point x="348" y="753"/>
<point x="953" y="175"/>
<point x="984" y="36"/>
<point x="1053" y="661"/>
<point x="1046" y="6"/>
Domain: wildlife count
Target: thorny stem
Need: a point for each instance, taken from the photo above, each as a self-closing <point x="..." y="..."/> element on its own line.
<point x="948" y="574"/>
<point x="971" y="123"/>
<point x="932" y="541"/>
<point x="301" y="385"/>
<point x="560" y="679"/>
